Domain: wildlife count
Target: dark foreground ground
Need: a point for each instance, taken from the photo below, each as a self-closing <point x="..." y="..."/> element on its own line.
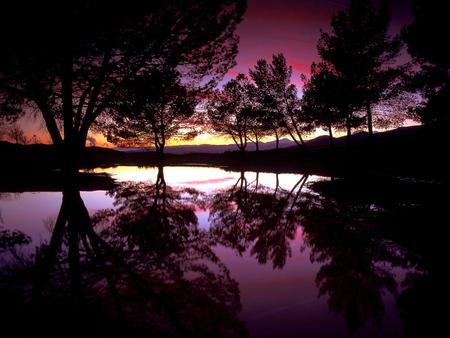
<point x="408" y="152"/>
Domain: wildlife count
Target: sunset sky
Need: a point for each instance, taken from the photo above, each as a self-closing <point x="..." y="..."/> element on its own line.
<point x="291" y="27"/>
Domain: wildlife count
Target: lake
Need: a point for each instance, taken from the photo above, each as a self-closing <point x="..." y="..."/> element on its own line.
<point x="205" y="252"/>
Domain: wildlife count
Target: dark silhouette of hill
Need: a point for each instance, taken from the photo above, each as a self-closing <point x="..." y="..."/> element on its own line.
<point x="410" y="151"/>
<point x="210" y="148"/>
<point x="317" y="142"/>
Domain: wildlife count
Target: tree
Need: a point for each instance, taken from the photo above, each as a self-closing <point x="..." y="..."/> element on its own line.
<point x="230" y="111"/>
<point x="69" y="59"/>
<point x="253" y="217"/>
<point x="286" y="98"/>
<point x="321" y="99"/>
<point x="120" y="271"/>
<point x="362" y="52"/>
<point x="433" y="79"/>
<point x="270" y="117"/>
<point x="16" y="134"/>
<point x="277" y="96"/>
<point x="153" y="107"/>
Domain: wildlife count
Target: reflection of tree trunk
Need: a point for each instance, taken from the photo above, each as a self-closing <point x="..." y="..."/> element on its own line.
<point x="74" y="220"/>
<point x="277" y="183"/>
<point x="243" y="181"/>
<point x="257" y="181"/>
<point x="160" y="188"/>
<point x="74" y="254"/>
<point x="44" y="264"/>
<point x="303" y="181"/>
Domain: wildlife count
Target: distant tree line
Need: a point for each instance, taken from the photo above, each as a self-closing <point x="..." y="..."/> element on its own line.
<point x="148" y="73"/>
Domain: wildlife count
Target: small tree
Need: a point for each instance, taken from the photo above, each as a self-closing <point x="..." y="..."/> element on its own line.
<point x="322" y="98"/>
<point x="287" y="100"/>
<point x="278" y="97"/>
<point x="230" y="111"/>
<point x="16" y="134"/>
<point x="154" y="108"/>
<point x="270" y="116"/>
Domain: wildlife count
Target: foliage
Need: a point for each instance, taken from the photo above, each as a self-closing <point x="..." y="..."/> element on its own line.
<point x="70" y="59"/>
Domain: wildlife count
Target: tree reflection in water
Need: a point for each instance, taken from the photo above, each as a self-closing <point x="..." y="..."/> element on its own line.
<point x="252" y="215"/>
<point x="359" y="229"/>
<point x="146" y="268"/>
<point x="356" y="264"/>
<point x="141" y="269"/>
<point x="355" y="229"/>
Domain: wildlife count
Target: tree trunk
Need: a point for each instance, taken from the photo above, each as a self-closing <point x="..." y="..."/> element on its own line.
<point x="257" y="142"/>
<point x="159" y="147"/>
<point x="369" y="120"/>
<point x="70" y="149"/>
<point x="330" y="132"/>
<point x="277" y="140"/>
<point x="349" y="131"/>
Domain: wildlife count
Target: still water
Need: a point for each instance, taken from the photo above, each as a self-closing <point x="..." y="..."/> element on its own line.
<point x="204" y="252"/>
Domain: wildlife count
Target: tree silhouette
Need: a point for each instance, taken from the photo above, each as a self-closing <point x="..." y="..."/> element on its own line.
<point x="322" y="98"/>
<point x="152" y="108"/>
<point x="69" y="59"/>
<point x="270" y="117"/>
<point x="361" y="52"/>
<point x="356" y="263"/>
<point x="433" y="80"/>
<point x="142" y="268"/>
<point x="250" y="216"/>
<point x="16" y="134"/>
<point x="277" y="96"/>
<point x="230" y="111"/>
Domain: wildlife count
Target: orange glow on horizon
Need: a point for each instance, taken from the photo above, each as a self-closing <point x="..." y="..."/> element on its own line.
<point x="36" y="132"/>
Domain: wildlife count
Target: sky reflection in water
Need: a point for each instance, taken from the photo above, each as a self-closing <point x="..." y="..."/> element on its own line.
<point x="252" y="222"/>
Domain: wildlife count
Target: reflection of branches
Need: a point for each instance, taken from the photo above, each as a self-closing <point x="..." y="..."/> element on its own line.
<point x="339" y="229"/>
<point x="147" y="268"/>
<point x="267" y="219"/>
<point x="10" y="243"/>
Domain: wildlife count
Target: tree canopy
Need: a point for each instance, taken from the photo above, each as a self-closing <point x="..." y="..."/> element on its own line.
<point x="362" y="52"/>
<point x="67" y="60"/>
<point x="432" y="81"/>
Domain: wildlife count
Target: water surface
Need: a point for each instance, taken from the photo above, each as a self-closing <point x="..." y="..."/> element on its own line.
<point x="197" y="251"/>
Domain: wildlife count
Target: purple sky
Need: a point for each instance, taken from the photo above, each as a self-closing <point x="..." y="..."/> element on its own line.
<point x="293" y="27"/>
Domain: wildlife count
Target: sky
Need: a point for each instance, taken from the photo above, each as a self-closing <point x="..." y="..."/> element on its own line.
<point x="291" y="27"/>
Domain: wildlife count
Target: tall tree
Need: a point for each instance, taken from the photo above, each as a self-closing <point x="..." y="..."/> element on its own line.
<point x="230" y="111"/>
<point x="362" y="52"/>
<point x="69" y="59"/>
<point x="278" y="97"/>
<point x="322" y="97"/>
<point x="265" y="99"/>
<point x="287" y="100"/>
<point x="153" y="108"/>
<point x="433" y="79"/>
